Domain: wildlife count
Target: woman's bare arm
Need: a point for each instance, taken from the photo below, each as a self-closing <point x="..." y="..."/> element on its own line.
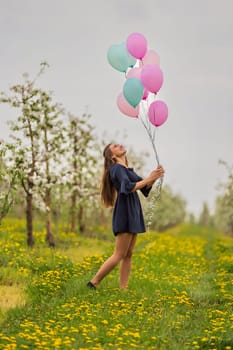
<point x="150" y="180"/>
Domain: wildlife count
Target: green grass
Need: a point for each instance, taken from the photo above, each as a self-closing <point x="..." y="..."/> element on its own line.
<point x="179" y="296"/>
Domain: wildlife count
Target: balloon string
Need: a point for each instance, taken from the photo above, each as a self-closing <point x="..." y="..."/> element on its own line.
<point x="151" y="136"/>
<point x="152" y="139"/>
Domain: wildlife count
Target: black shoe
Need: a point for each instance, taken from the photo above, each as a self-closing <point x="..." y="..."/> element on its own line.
<point x="91" y="285"/>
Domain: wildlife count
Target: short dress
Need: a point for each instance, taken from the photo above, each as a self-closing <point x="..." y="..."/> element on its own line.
<point x="127" y="213"/>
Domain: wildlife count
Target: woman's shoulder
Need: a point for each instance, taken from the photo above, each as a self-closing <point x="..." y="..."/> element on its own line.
<point x="118" y="168"/>
<point x="115" y="167"/>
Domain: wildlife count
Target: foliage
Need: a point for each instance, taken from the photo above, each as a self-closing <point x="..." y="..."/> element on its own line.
<point x="82" y="154"/>
<point x="224" y="204"/>
<point x="24" y="150"/>
<point x="166" y="212"/>
<point x="179" y="297"/>
<point x="9" y="178"/>
<point x="205" y="219"/>
<point x="58" y="161"/>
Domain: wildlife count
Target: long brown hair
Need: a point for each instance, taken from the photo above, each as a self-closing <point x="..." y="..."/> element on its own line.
<point x="108" y="192"/>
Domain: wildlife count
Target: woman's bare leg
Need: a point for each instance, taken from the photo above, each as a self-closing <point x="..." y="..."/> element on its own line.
<point x="122" y="244"/>
<point x="125" y="265"/>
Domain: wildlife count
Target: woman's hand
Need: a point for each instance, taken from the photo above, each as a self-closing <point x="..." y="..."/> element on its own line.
<point x="150" y="180"/>
<point x="157" y="173"/>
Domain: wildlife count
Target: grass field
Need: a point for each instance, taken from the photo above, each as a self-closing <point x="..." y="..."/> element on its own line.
<point x="180" y="294"/>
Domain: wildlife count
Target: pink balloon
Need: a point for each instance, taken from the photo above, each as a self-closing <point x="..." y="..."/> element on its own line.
<point x="126" y="108"/>
<point x="134" y="73"/>
<point x="151" y="57"/>
<point x="145" y="94"/>
<point x="158" y="113"/>
<point x="136" y="45"/>
<point x="152" y="77"/>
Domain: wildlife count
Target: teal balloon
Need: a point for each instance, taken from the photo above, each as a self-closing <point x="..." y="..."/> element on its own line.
<point x="118" y="57"/>
<point x="131" y="60"/>
<point x="133" y="91"/>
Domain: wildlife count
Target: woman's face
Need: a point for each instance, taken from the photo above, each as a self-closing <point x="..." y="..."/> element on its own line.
<point x="117" y="150"/>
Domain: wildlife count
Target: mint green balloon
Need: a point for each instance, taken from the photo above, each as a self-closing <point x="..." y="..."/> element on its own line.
<point x="118" y="57"/>
<point x="131" y="60"/>
<point x="133" y="91"/>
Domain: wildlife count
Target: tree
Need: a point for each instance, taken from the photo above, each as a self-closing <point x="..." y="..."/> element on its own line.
<point x="169" y="211"/>
<point x="51" y="149"/>
<point x="191" y="218"/>
<point x="24" y="149"/>
<point x="9" y="177"/>
<point x="82" y="159"/>
<point x="205" y="217"/>
<point x="36" y="146"/>
<point x="224" y="203"/>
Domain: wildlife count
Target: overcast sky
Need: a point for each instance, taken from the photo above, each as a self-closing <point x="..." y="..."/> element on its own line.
<point x="194" y="40"/>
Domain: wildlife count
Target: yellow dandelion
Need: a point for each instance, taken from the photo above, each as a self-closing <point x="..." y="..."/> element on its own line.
<point x="104" y="322"/>
<point x="205" y="339"/>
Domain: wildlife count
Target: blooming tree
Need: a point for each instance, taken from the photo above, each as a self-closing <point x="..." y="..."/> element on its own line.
<point x="9" y="177"/>
<point x="36" y="146"/>
<point x="51" y="149"/>
<point x="24" y="147"/>
<point x="82" y="159"/>
<point x="224" y="204"/>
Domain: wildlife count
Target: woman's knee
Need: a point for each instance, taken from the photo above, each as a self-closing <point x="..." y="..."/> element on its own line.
<point x="118" y="256"/>
<point x="128" y="254"/>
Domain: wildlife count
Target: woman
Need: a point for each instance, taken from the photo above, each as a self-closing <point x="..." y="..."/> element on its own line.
<point x="119" y="186"/>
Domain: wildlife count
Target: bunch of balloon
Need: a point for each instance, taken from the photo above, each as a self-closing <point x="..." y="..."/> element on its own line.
<point x="144" y="79"/>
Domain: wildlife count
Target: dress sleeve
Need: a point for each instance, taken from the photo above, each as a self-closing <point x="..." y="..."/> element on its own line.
<point x="119" y="173"/>
<point x="146" y="190"/>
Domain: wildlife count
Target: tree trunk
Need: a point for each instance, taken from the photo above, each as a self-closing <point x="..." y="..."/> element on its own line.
<point x="231" y="233"/>
<point x="73" y="212"/>
<point x="29" y="218"/>
<point x="49" y="236"/>
<point x="74" y="141"/>
<point x="82" y="225"/>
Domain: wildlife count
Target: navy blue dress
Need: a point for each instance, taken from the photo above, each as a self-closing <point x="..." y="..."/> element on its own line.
<point x="127" y="214"/>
